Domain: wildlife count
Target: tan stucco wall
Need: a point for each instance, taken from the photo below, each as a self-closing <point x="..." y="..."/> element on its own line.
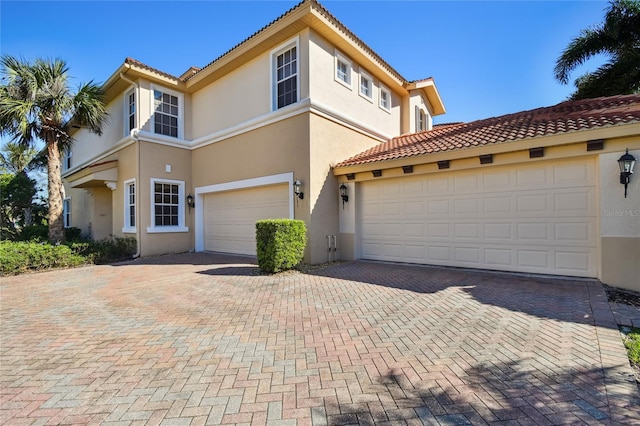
<point x="330" y="143"/>
<point x="81" y="209"/>
<point x="620" y="262"/>
<point x="416" y="99"/>
<point x="326" y="90"/>
<point x="619" y="223"/>
<point x="127" y="169"/>
<point x="89" y="145"/>
<point x="102" y="213"/>
<point x="243" y="94"/>
<point x="153" y="161"/>
<point x="277" y="148"/>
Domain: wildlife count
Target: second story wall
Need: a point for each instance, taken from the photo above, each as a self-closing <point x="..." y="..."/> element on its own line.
<point x="338" y="86"/>
<point x="247" y="92"/>
<point x="88" y="144"/>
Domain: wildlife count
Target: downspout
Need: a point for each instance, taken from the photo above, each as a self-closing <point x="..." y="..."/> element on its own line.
<point x="134" y="136"/>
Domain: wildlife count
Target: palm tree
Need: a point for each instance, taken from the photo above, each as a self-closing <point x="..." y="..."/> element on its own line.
<point x="16" y="158"/>
<point x="618" y="37"/>
<point x="37" y="104"/>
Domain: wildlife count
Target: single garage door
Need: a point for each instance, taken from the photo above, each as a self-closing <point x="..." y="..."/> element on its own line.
<point x="538" y="218"/>
<point x="230" y="217"/>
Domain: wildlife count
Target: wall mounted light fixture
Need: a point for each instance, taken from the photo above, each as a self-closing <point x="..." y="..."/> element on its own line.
<point x="296" y="189"/>
<point x="343" y="194"/>
<point x="627" y="162"/>
<point x="190" y="201"/>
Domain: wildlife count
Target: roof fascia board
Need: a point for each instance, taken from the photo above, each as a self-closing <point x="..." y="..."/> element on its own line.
<point x="619" y="131"/>
<point x="347" y="43"/>
<point x="428" y="86"/>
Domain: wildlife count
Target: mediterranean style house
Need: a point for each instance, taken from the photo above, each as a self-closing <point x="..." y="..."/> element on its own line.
<point x="336" y="137"/>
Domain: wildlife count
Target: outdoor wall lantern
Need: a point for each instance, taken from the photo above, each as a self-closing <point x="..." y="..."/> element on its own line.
<point x="626" y="163"/>
<point x="190" y="201"/>
<point x="296" y="189"/>
<point x="343" y="194"/>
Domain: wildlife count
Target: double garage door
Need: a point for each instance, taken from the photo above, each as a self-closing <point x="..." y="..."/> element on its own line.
<point x="230" y="216"/>
<point x="539" y="218"/>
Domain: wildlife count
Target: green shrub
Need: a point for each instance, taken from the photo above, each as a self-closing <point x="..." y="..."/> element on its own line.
<point x="71" y="234"/>
<point x="280" y="243"/>
<point x="632" y="343"/>
<point x="108" y="250"/>
<point x="20" y="257"/>
<point x="34" y="233"/>
<point x="41" y="233"/>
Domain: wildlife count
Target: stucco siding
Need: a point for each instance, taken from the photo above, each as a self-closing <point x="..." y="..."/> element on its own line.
<point x="89" y="145"/>
<point x="619" y="223"/>
<point x="154" y="159"/>
<point x="329" y="143"/>
<point x="244" y="94"/>
<point x="325" y="90"/>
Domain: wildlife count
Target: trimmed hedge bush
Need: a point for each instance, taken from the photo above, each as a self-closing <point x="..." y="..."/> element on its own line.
<point x="41" y="233"/>
<point x="17" y="257"/>
<point x="280" y="243"/>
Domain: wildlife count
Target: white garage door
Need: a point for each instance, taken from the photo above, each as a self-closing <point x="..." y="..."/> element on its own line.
<point x="230" y="217"/>
<point x="538" y="218"/>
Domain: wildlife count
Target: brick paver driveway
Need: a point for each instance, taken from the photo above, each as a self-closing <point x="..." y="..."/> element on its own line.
<point x="199" y="338"/>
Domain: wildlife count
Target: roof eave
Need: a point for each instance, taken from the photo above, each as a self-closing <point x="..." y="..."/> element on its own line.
<point x="557" y="139"/>
<point x="430" y="90"/>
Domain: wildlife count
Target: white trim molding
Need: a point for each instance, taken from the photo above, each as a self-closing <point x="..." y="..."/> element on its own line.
<point x="294" y="42"/>
<point x="230" y="186"/>
<point x="127" y="228"/>
<point x="339" y="57"/>
<point x="180" y="119"/>
<point x="153" y="229"/>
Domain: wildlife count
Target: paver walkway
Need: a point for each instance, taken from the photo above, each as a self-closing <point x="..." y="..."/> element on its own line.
<point x="200" y="339"/>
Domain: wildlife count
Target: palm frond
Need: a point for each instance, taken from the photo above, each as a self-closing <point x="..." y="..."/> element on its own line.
<point x="590" y="43"/>
<point x="89" y="107"/>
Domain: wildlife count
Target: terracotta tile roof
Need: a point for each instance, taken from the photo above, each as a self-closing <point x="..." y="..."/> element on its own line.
<point x="137" y="63"/>
<point x="565" y="117"/>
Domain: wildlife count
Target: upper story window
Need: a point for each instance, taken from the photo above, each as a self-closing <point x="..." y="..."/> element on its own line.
<point x="66" y="160"/>
<point x="343" y="70"/>
<point x="421" y="120"/>
<point x="366" y="85"/>
<point x="167" y="206"/>
<point x="166" y="116"/>
<point x="130" y="111"/>
<point x="385" y="98"/>
<point x="285" y="75"/>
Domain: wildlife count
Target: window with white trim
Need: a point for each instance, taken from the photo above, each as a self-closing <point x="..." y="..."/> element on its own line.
<point x="385" y="98"/>
<point x="129" y="206"/>
<point x="167" y="113"/>
<point x="167" y="206"/>
<point x="66" y="160"/>
<point x="342" y="70"/>
<point x="66" y="212"/>
<point x="130" y="111"/>
<point x="366" y="86"/>
<point x="421" y="120"/>
<point x="285" y="76"/>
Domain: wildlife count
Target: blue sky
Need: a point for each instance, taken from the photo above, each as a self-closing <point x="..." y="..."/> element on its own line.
<point x="487" y="58"/>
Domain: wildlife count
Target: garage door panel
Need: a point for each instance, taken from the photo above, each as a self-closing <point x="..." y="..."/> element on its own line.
<point x="498" y="257"/>
<point x="532" y="219"/>
<point x="229" y="217"/>
<point x="572" y="261"/>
